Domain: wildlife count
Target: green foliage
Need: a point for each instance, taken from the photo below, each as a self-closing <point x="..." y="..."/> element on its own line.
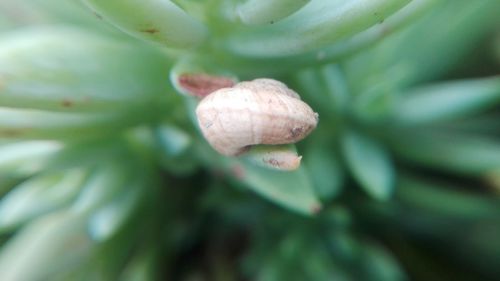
<point x="104" y="174"/>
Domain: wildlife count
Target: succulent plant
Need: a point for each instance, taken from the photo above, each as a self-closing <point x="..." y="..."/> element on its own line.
<point x="106" y="175"/>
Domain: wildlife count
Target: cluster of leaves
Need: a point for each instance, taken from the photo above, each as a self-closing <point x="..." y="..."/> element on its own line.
<point x="104" y="175"/>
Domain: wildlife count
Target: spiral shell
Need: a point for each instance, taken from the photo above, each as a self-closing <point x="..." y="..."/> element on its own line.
<point x="262" y="111"/>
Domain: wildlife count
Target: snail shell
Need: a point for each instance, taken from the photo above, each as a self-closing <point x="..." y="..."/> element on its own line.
<point x="262" y="111"/>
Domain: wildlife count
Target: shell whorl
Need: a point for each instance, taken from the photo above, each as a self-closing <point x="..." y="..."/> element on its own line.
<point x="262" y="111"/>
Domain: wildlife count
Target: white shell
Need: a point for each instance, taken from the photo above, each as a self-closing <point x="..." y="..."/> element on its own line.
<point x="262" y="111"/>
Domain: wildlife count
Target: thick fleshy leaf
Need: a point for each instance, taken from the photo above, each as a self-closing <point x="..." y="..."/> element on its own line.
<point x="340" y="49"/>
<point x="406" y="58"/>
<point x="37" y="124"/>
<point x="159" y="21"/>
<point x="369" y="163"/>
<point x="439" y="200"/>
<point x="107" y="220"/>
<point x="333" y="20"/>
<point x="52" y="244"/>
<point x="105" y="183"/>
<point x="141" y="267"/>
<point x="379" y="265"/>
<point x="25" y="158"/>
<point x="86" y="154"/>
<point x="39" y="195"/>
<point x="256" y="12"/>
<point x="467" y="154"/>
<point x="70" y="69"/>
<point x="325" y="170"/>
<point x="446" y="101"/>
<point x="172" y="140"/>
<point x="292" y="190"/>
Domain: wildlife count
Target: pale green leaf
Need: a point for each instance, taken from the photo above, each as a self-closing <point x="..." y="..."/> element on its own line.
<point x="292" y="190"/>
<point x="462" y="153"/>
<point x="160" y="21"/>
<point x="369" y="163"/>
<point x="107" y="220"/>
<point x="25" y="158"/>
<point x="39" y="195"/>
<point x="257" y="12"/>
<point x="325" y="171"/>
<point x="49" y="245"/>
<point x="441" y="199"/>
<point x="70" y="69"/>
<point x="316" y="25"/>
<point x="446" y="101"/>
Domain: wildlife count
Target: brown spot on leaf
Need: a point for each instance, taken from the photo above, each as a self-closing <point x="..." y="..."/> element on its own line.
<point x="201" y="84"/>
<point x="315" y="209"/>
<point x="238" y="171"/>
<point x="98" y="15"/>
<point x="151" y="30"/>
<point x="11" y="133"/>
<point x="2" y="83"/>
<point x="67" y="103"/>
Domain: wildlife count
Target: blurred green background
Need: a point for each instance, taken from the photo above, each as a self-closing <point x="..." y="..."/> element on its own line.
<point x="104" y="174"/>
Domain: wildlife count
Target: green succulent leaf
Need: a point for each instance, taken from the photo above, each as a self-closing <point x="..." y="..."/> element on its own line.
<point x="25" y="158"/>
<point x="39" y="195"/>
<point x="141" y="267"/>
<point x="462" y="153"/>
<point x="37" y="124"/>
<point x="316" y="25"/>
<point x="439" y="199"/>
<point x="104" y="175"/>
<point x="369" y="163"/>
<point x="256" y="12"/>
<point x="69" y="69"/>
<point x="85" y="154"/>
<point x="173" y="140"/>
<point x="106" y="182"/>
<point x="406" y="59"/>
<point x="41" y="249"/>
<point x="106" y="222"/>
<point x="379" y="264"/>
<point x="292" y="190"/>
<point x="446" y="101"/>
<point x="325" y="171"/>
<point x="340" y="49"/>
<point x="159" y="21"/>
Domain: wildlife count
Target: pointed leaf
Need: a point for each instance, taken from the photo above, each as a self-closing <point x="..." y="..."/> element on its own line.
<point x="70" y="69"/>
<point x="257" y="12"/>
<point x="160" y="21"/>
<point x="39" y="195"/>
<point x="292" y="190"/>
<point x="38" y="124"/>
<point x="443" y="200"/>
<point x="325" y="170"/>
<point x="446" y="101"/>
<point x="107" y="220"/>
<point x="370" y="164"/>
<point x="24" y="158"/>
<point x="380" y="265"/>
<point x="462" y="153"/>
<point x="106" y="182"/>
<point x="54" y="243"/>
<point x="333" y="21"/>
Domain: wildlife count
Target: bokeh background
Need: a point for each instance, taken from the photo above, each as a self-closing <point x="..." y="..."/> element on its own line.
<point x="104" y="174"/>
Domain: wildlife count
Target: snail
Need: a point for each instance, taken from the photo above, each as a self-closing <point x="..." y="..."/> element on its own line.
<point x="262" y="111"/>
